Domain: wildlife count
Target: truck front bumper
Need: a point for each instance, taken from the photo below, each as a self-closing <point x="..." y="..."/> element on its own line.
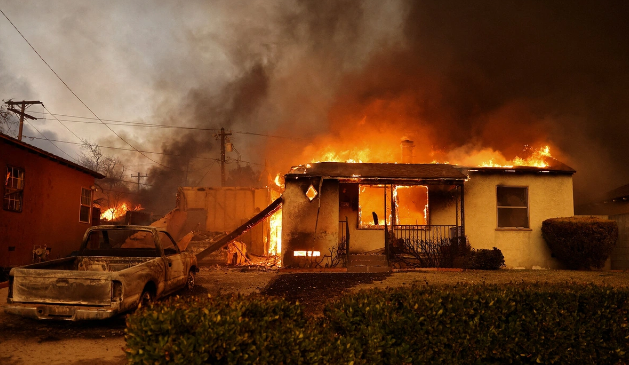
<point x="62" y="312"/>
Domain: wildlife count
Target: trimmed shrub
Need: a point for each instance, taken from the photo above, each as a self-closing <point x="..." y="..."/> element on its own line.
<point x="580" y="242"/>
<point x="481" y="324"/>
<point x="484" y="259"/>
<point x="228" y="330"/>
<point x="516" y="324"/>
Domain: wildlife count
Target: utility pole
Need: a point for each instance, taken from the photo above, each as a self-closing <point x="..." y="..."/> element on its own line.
<point x="139" y="176"/>
<point x="223" y="136"/>
<point x="21" y="113"/>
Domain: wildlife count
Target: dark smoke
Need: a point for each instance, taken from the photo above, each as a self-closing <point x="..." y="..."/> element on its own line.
<point x="494" y="74"/>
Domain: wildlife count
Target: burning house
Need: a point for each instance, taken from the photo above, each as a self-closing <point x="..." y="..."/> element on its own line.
<point x="333" y="210"/>
<point x="47" y="204"/>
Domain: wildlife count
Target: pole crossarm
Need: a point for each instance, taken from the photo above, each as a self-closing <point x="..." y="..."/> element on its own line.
<point x="22" y="113"/>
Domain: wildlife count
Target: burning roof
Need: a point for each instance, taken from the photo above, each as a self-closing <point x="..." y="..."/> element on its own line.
<point x="363" y="171"/>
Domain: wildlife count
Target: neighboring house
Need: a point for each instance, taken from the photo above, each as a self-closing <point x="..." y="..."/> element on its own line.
<point x="329" y="204"/>
<point x="615" y="206"/>
<point x="46" y="204"/>
<point x="225" y="209"/>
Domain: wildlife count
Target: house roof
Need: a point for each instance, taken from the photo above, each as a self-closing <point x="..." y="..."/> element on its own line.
<point x="392" y="171"/>
<point x="37" y="151"/>
<point x="554" y="167"/>
<point x="618" y="193"/>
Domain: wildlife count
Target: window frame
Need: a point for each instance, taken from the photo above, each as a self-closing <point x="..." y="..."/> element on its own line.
<point x="21" y="191"/>
<point x="390" y="191"/>
<point x="81" y="205"/>
<point x="528" y="209"/>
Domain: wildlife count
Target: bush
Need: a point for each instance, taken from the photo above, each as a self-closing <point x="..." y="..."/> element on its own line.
<point x="521" y="324"/>
<point x="483" y="259"/>
<point x="482" y="324"/>
<point x="580" y="242"/>
<point x="227" y="330"/>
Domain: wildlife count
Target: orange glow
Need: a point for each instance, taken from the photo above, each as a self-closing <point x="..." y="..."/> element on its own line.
<point x="275" y="223"/>
<point x="118" y="211"/>
<point x="537" y="158"/>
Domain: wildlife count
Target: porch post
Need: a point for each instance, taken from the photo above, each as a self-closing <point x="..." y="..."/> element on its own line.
<point x="386" y="235"/>
<point x="463" y="210"/>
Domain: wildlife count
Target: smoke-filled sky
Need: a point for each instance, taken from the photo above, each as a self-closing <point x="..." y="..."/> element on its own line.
<point x="350" y="78"/>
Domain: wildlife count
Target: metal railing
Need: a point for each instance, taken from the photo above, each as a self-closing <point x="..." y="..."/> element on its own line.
<point x="425" y="232"/>
<point x="426" y="245"/>
<point x="342" y="250"/>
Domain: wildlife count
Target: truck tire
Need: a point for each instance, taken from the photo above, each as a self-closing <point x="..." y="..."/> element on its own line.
<point x="190" y="281"/>
<point x="146" y="299"/>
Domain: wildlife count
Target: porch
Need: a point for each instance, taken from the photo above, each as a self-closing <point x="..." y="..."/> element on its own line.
<point x="390" y="211"/>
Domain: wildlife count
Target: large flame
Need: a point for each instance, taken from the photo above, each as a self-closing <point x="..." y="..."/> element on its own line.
<point x="275" y="244"/>
<point x="537" y="158"/>
<point x="118" y="211"/>
<point x="464" y="156"/>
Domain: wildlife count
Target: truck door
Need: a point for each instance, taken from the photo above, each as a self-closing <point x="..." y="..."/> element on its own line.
<point x="175" y="268"/>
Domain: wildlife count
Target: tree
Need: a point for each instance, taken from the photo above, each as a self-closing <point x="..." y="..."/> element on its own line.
<point x="112" y="190"/>
<point x="7" y="120"/>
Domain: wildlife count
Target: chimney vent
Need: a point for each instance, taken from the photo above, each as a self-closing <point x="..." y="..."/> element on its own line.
<point x="407" y="150"/>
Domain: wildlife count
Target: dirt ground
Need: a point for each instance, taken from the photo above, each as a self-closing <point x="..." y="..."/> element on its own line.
<point x="24" y="341"/>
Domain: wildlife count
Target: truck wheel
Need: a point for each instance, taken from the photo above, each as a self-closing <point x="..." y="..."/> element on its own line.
<point x="190" y="281"/>
<point x="146" y="299"/>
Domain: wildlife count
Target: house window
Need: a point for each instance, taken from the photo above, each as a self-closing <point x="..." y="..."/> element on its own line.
<point x="86" y="205"/>
<point x="410" y="205"/>
<point x="371" y="200"/>
<point x="513" y="207"/>
<point x="13" y="189"/>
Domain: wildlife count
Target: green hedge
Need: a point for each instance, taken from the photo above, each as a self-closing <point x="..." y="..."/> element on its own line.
<point x="580" y="242"/>
<point x="519" y="324"/>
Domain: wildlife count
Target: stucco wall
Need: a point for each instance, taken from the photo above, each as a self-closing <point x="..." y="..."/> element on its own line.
<point x="299" y="217"/>
<point x="550" y="196"/>
<point x="442" y="205"/>
<point x="51" y="206"/>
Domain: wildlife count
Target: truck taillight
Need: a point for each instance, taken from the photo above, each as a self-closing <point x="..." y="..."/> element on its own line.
<point x="116" y="291"/>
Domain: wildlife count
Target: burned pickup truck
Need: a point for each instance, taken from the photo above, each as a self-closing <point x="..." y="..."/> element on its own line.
<point x="117" y="269"/>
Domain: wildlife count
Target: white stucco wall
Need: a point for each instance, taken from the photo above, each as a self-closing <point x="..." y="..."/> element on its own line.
<point x="550" y="196"/>
<point x="299" y="218"/>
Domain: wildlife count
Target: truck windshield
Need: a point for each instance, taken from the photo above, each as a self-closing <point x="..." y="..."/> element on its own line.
<point x="120" y="242"/>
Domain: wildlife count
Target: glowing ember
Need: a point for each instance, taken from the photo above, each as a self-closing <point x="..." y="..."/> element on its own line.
<point x="118" y="211"/>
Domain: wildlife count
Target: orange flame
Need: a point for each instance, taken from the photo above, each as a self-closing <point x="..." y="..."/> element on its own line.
<point x="118" y="211"/>
<point x="275" y="223"/>
<point x="537" y="158"/>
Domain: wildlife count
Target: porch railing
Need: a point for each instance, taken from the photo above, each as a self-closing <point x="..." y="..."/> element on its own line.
<point x="341" y="256"/>
<point x="426" y="245"/>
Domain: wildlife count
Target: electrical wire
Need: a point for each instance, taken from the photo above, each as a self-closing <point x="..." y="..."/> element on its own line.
<point x="75" y="95"/>
<point x="153" y="152"/>
<point x="69" y="130"/>
<point x="155" y="125"/>
<point x="51" y="141"/>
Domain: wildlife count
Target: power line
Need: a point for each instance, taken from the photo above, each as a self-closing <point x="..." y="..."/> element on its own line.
<point x="155" y="125"/>
<point x="153" y="152"/>
<point x="51" y="141"/>
<point x="79" y="138"/>
<point x="75" y="95"/>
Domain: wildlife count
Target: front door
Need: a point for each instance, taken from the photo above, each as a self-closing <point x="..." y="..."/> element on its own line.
<point x="175" y="269"/>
